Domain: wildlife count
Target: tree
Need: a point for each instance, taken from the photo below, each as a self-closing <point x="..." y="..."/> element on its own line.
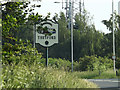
<point x="87" y="41"/>
<point x="109" y="37"/>
<point x="63" y="48"/>
<point x="109" y="25"/>
<point x="16" y="16"/>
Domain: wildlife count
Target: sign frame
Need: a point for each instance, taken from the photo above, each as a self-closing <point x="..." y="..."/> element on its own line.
<point x="49" y="35"/>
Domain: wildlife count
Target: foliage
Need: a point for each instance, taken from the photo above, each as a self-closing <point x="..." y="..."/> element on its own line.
<point x="91" y="63"/>
<point x="108" y="74"/>
<point x="108" y="24"/>
<point x="22" y="51"/>
<point x="12" y="17"/>
<point x="63" y="48"/>
<point x="118" y="73"/>
<point x="87" y="63"/>
<point x="118" y="63"/>
<point x="86" y="74"/>
<point x="61" y="64"/>
<point x="36" y="76"/>
<point x="87" y="41"/>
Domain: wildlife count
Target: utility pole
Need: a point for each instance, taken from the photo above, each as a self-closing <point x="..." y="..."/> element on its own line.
<point x="69" y="17"/>
<point x="80" y="6"/>
<point x="113" y="57"/>
<point x="66" y="9"/>
<point x="71" y="28"/>
<point x="119" y="8"/>
<point x="119" y="13"/>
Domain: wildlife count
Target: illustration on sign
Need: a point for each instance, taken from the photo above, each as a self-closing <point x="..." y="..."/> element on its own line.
<point x="47" y="33"/>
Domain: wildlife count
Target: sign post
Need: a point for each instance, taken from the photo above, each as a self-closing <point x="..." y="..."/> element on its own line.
<point x="46" y="56"/>
<point x="47" y="35"/>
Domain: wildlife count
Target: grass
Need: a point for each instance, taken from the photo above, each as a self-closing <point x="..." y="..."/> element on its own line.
<point x="109" y="74"/>
<point x="0" y="75"/>
<point x="86" y="74"/>
<point x="35" y="76"/>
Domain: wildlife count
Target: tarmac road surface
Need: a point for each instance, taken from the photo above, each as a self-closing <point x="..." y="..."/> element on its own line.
<point x="107" y="84"/>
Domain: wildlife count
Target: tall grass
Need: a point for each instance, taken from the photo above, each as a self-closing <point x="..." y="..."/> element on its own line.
<point x="109" y="74"/>
<point x="86" y="74"/>
<point x="0" y="77"/>
<point x="35" y="76"/>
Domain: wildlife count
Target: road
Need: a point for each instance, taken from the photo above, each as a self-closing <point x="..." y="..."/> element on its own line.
<point x="107" y="84"/>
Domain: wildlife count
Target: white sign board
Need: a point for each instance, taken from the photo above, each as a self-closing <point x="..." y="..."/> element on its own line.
<point x="48" y="35"/>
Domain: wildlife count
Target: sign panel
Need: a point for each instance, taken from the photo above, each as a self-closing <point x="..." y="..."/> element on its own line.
<point x="48" y="35"/>
<point x="113" y="57"/>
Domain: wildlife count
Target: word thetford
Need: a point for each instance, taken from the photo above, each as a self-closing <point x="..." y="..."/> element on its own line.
<point x="46" y="37"/>
<point x="47" y="34"/>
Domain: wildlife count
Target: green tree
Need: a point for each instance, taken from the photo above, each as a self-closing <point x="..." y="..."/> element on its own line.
<point x="109" y="37"/>
<point x="63" y="48"/>
<point x="87" y="41"/>
<point x="16" y="17"/>
<point x="109" y="25"/>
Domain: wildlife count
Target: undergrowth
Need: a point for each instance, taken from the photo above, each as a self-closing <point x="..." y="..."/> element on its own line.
<point x="35" y="76"/>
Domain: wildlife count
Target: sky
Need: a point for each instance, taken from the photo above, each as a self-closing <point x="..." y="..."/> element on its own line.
<point x="98" y="9"/>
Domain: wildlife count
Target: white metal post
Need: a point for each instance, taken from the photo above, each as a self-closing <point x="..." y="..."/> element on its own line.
<point x="113" y="34"/>
<point x="71" y="28"/>
<point x="119" y="8"/>
<point x="66" y="9"/>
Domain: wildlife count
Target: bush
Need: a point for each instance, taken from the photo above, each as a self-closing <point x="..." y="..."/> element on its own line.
<point x="22" y="51"/>
<point x="118" y="72"/>
<point x="118" y="63"/>
<point x="60" y="63"/>
<point x="91" y="63"/>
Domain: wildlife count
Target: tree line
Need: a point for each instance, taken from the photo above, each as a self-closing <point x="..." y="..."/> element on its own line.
<point x="18" y="21"/>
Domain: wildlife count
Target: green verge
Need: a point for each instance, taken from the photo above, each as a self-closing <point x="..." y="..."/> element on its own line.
<point x="109" y="74"/>
<point x="35" y="76"/>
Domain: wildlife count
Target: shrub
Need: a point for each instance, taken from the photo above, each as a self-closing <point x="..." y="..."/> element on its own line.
<point x="118" y="62"/>
<point x="60" y="63"/>
<point x="22" y="51"/>
<point x="118" y="72"/>
<point x="90" y="63"/>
